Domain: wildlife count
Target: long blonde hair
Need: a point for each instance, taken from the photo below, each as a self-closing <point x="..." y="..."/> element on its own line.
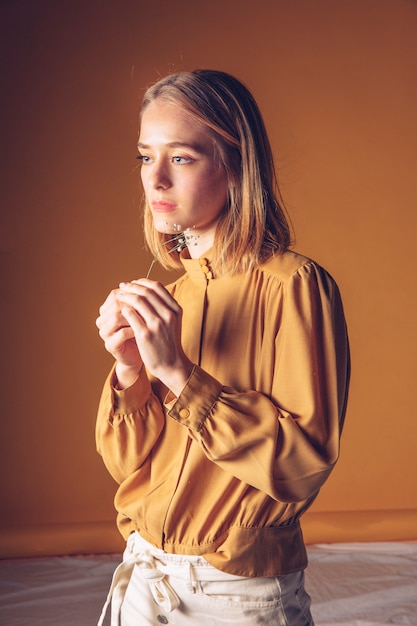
<point x="253" y="225"/>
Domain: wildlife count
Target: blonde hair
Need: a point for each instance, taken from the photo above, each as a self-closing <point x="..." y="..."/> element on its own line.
<point x="253" y="225"/>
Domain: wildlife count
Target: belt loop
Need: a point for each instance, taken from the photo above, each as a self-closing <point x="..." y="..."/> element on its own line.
<point x="191" y="582"/>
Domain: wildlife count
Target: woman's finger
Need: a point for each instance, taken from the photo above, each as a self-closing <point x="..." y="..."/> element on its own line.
<point x="154" y="290"/>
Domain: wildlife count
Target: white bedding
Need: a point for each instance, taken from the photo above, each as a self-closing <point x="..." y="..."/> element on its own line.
<point x="367" y="584"/>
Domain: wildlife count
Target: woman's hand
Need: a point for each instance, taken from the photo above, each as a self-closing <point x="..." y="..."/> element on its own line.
<point x="119" y="339"/>
<point x="141" y="322"/>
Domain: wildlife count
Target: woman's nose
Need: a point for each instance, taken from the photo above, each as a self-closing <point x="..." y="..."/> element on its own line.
<point x="159" y="176"/>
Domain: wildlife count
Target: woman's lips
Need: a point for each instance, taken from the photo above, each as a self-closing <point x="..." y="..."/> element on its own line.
<point x="163" y="206"/>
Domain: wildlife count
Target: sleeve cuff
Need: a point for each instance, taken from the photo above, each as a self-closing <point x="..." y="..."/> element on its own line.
<point x="133" y="398"/>
<point x="196" y="400"/>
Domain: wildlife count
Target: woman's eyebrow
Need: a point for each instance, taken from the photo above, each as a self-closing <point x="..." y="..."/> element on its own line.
<point x="174" y="144"/>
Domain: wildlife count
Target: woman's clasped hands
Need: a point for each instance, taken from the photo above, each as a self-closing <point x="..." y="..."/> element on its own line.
<point x="140" y="323"/>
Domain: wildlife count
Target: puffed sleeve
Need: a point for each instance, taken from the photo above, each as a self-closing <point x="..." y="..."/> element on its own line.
<point x="287" y="443"/>
<point x="129" y="423"/>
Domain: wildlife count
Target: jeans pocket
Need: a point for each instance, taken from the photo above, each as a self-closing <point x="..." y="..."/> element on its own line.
<point x="247" y="593"/>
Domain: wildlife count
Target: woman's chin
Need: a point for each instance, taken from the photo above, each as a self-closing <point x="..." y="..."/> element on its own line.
<point x="166" y="226"/>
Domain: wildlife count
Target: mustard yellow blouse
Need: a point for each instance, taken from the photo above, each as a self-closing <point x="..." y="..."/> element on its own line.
<point x="226" y="469"/>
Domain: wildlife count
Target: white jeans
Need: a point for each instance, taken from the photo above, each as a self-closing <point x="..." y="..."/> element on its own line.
<point x="152" y="587"/>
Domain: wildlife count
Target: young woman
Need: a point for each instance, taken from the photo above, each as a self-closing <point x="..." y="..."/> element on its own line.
<point x="221" y="417"/>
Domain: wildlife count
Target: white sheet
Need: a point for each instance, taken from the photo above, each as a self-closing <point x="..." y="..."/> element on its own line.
<point x="369" y="584"/>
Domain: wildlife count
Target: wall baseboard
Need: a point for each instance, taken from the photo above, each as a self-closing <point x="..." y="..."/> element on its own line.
<point x="59" y="539"/>
<point x="359" y="526"/>
<point x="103" y="537"/>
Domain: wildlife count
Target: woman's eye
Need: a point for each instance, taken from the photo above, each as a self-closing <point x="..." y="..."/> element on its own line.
<point x="180" y="160"/>
<point x="143" y="159"/>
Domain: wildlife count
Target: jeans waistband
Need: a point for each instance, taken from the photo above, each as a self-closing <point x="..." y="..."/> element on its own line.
<point x="154" y="565"/>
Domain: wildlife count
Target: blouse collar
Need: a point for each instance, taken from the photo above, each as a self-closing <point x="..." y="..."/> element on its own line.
<point x="199" y="270"/>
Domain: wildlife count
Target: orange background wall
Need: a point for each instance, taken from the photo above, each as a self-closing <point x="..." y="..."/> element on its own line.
<point x="337" y="84"/>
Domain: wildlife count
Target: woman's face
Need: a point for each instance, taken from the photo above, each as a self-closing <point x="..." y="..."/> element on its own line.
<point x="184" y="182"/>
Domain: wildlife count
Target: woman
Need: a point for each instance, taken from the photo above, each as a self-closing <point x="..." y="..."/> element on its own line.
<point x="222" y="415"/>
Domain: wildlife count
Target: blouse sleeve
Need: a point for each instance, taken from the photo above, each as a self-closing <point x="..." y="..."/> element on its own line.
<point x="128" y="425"/>
<point x="284" y="445"/>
